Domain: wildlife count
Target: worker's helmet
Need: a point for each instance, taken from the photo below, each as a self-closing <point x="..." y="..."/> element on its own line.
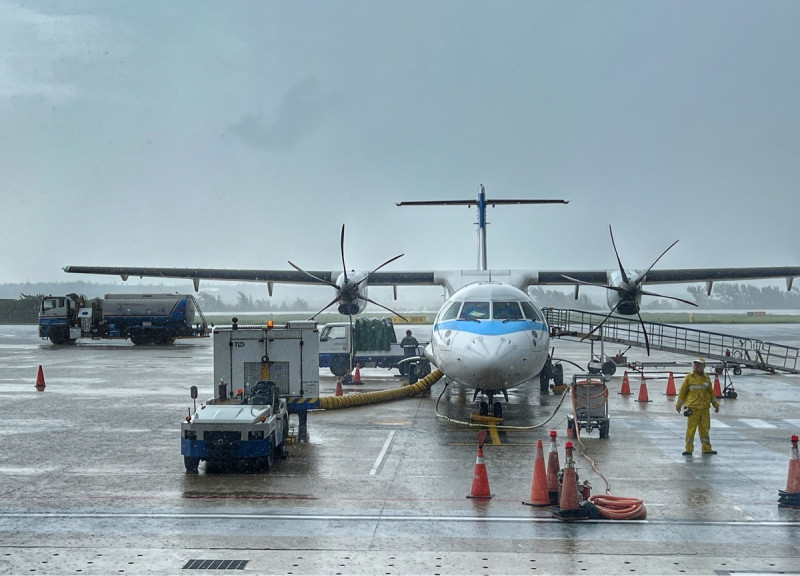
<point x="699" y="361"/>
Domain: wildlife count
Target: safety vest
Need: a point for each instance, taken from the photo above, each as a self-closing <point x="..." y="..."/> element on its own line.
<point x="697" y="391"/>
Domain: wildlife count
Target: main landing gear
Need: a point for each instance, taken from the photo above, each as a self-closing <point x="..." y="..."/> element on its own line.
<point x="483" y="407"/>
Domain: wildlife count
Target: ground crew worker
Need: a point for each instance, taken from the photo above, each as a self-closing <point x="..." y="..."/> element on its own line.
<point x="409" y="344"/>
<point x="697" y="394"/>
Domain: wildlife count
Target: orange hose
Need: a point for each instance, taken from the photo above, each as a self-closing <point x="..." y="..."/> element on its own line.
<point x="619" y="507"/>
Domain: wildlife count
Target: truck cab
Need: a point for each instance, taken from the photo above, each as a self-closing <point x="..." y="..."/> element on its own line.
<point x="58" y="317"/>
<point x="372" y="341"/>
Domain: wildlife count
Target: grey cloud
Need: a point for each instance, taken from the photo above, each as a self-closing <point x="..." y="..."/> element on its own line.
<point x="303" y="108"/>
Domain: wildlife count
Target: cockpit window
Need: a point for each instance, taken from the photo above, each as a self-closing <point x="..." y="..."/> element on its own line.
<point x="475" y="311"/>
<point x="451" y="312"/>
<point x="530" y="312"/>
<point x="506" y="311"/>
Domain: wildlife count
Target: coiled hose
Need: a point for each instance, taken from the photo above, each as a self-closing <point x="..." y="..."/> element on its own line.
<point x="378" y="396"/>
<point x="608" y="505"/>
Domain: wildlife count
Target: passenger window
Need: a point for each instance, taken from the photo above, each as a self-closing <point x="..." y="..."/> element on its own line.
<point x="506" y="311"/>
<point x="475" y="311"/>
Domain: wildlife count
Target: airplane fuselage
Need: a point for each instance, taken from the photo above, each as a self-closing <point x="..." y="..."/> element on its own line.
<point x="489" y="336"/>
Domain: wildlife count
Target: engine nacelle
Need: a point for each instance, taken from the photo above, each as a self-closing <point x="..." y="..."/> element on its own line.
<point x="627" y="298"/>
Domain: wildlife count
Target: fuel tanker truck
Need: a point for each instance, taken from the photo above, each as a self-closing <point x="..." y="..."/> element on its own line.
<point x="144" y="318"/>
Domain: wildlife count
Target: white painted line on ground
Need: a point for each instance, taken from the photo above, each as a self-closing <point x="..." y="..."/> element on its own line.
<point x="757" y="423"/>
<point x="382" y="454"/>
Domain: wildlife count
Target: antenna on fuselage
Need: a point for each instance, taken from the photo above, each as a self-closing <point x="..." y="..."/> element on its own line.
<point x="481" y="203"/>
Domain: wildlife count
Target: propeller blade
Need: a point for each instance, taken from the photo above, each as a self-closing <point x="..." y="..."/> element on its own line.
<point x="371" y="301"/>
<point x="616" y="253"/>
<point x="317" y="278"/>
<point x="328" y="305"/>
<point x="644" y="331"/>
<point x="381" y="266"/>
<point x="344" y="266"/>
<point x="647" y="293"/>
<point x="641" y="278"/>
<point x="603" y="321"/>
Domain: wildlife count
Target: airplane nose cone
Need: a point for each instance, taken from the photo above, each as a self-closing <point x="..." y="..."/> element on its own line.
<point x="494" y="362"/>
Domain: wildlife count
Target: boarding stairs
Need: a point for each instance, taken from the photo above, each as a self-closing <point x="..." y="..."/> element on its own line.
<point x="749" y="352"/>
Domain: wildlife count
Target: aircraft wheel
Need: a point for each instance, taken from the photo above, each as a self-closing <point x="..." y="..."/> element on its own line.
<point x="497" y="410"/>
<point x="483" y="409"/>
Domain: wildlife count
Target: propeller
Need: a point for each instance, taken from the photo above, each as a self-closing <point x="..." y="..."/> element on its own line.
<point x="629" y="292"/>
<point x="349" y="288"/>
<point x="351" y="292"/>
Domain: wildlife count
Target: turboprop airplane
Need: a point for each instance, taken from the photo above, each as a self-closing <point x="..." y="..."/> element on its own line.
<point x="489" y="335"/>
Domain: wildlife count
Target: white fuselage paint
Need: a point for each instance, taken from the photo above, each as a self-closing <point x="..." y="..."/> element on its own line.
<point x="489" y="336"/>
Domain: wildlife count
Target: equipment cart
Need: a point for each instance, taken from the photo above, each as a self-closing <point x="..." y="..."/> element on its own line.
<point x="590" y="402"/>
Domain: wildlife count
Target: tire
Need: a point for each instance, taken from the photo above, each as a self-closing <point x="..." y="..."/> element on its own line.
<point x="191" y="463"/>
<point x="59" y="335"/>
<point x="136" y="337"/>
<point x="558" y="375"/>
<point x="340" y="365"/>
<point x="269" y="458"/>
<point x="737" y="371"/>
<point x="497" y="410"/>
<point x="604" y="429"/>
<point x="483" y="409"/>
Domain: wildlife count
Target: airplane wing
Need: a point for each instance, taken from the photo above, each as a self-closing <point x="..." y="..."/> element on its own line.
<point x="673" y="276"/>
<point x="408" y="278"/>
<point x="452" y="279"/>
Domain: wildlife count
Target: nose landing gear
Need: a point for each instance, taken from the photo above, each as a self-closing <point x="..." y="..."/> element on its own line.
<point x="483" y="406"/>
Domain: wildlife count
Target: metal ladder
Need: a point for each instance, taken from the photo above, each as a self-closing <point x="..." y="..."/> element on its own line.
<point x="750" y="352"/>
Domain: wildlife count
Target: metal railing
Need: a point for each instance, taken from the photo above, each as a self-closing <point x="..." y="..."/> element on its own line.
<point x="751" y="352"/>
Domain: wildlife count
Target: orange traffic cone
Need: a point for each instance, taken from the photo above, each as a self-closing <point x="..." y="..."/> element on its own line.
<point x="671" y="385"/>
<point x="40" y="379"/>
<point x="539" y="492"/>
<point x="338" y="386"/>
<point x="791" y="496"/>
<point x="357" y="375"/>
<point x="717" y="389"/>
<point x="643" y="391"/>
<point x="553" y="467"/>
<point x="569" y="484"/>
<point x="480" y="478"/>
<point x="626" y="386"/>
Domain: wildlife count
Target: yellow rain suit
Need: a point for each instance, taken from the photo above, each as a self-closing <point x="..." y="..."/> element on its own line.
<point x="697" y="393"/>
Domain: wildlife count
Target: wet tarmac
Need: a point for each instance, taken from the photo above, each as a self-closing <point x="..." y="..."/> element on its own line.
<point x="92" y="480"/>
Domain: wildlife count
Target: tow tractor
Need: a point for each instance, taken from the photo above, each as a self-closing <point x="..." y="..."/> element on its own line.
<point x="247" y="431"/>
<point x="263" y="373"/>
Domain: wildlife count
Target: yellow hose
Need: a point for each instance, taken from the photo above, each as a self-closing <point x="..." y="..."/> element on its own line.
<point x="376" y="397"/>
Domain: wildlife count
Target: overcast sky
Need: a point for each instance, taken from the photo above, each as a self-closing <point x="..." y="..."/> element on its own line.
<point x="244" y="134"/>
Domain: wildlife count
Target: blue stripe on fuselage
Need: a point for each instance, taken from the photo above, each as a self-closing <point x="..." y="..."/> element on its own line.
<point x="490" y="327"/>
